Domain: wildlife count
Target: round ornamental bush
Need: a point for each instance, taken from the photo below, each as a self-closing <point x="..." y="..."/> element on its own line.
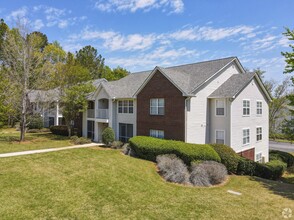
<point x="199" y="176"/>
<point x="172" y="169"/>
<point x="228" y="157"/>
<point x="108" y="136"/>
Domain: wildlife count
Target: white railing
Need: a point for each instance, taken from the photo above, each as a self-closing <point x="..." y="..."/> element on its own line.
<point x="90" y="113"/>
<point x="102" y="113"/>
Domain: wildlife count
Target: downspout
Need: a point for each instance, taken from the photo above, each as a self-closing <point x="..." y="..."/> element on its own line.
<point x="186" y="110"/>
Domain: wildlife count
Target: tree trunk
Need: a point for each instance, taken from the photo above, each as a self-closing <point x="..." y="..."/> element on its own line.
<point x="69" y="130"/>
<point x="23" y="118"/>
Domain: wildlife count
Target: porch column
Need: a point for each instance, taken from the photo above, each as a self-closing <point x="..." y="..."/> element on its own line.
<point x="96" y="131"/>
<point x="56" y="114"/>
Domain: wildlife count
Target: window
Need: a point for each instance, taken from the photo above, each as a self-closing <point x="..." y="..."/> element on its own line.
<point x="156" y="106"/>
<point x="126" y="106"/>
<point x="258" y="133"/>
<point x="157" y="133"/>
<point x="259" y="107"/>
<point x="246" y="136"/>
<point x="219" y="107"/>
<point x="258" y="158"/>
<point x="220" y="137"/>
<point x="246" y="107"/>
<point x="125" y="132"/>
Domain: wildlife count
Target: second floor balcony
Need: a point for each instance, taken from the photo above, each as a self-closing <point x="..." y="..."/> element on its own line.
<point x="102" y="113"/>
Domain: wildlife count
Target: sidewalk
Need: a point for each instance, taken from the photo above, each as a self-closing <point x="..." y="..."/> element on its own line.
<point x="13" y="154"/>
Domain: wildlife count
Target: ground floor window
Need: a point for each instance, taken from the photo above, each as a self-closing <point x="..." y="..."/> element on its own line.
<point x="246" y="136"/>
<point x="258" y="157"/>
<point x="51" y="121"/>
<point x="156" y="133"/>
<point x="61" y="121"/>
<point x="90" y="126"/>
<point x="125" y="132"/>
<point x="220" y="137"/>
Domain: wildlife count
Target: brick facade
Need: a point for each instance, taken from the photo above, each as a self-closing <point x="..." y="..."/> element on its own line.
<point x="173" y="120"/>
<point x="249" y="154"/>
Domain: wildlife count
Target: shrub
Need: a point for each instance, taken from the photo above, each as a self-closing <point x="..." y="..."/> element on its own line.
<point x="116" y="144"/>
<point x="172" y="169"/>
<point x="149" y="148"/>
<point x="127" y="150"/>
<point x="59" y="130"/>
<point x="228" y="157"/>
<point x="271" y="170"/>
<point x="199" y="176"/>
<point x="81" y="140"/>
<point x="246" y="167"/>
<point x="108" y="136"/>
<point x="282" y="156"/>
<point x="35" y="122"/>
<point x="74" y="138"/>
<point x="217" y="172"/>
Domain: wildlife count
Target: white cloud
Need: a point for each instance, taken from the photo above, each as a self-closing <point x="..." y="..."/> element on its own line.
<point x="18" y="14"/>
<point x="173" y="6"/>
<point x="161" y="56"/>
<point x="63" y="24"/>
<point x="38" y="24"/>
<point x="213" y="34"/>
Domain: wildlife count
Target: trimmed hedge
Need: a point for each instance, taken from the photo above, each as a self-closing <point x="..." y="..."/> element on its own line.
<point x="228" y="157"/>
<point x="246" y="167"/>
<point x="282" y="156"/>
<point x="149" y="148"/>
<point x="59" y="130"/>
<point x="271" y="170"/>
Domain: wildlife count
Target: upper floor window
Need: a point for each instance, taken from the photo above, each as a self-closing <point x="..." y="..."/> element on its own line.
<point x="157" y="133"/>
<point x="259" y="107"/>
<point x="258" y="133"/>
<point x="246" y="136"/>
<point x="246" y="107"/>
<point x="126" y="106"/>
<point x="220" y="137"/>
<point x="220" y="107"/>
<point x="156" y="106"/>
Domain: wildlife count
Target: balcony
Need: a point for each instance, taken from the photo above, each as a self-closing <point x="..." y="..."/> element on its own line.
<point x="90" y="113"/>
<point x="102" y="113"/>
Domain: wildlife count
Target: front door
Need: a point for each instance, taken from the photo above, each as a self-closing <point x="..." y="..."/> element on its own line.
<point x="90" y="126"/>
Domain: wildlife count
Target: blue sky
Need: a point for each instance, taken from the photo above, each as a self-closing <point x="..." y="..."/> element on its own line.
<point x="140" y="34"/>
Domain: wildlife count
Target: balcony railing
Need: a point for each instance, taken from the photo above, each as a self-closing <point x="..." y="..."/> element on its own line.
<point x="90" y="113"/>
<point x="102" y="113"/>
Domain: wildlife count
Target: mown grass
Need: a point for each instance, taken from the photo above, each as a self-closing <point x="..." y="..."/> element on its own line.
<point x="97" y="183"/>
<point x="9" y="141"/>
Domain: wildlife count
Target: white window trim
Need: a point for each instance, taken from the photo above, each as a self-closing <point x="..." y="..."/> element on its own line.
<point x="157" y="106"/>
<point x="156" y="131"/>
<point x="259" y="115"/>
<point x="224" y="135"/>
<point x="261" y="133"/>
<point x="260" y="157"/>
<point x="243" y="107"/>
<point x="224" y="108"/>
<point x="243" y="137"/>
<point x="128" y="100"/>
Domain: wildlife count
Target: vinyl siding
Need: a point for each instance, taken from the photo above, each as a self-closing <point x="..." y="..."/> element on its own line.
<point x="198" y="119"/>
<point x="238" y="121"/>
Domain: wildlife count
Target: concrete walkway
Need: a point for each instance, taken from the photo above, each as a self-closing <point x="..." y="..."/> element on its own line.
<point x="14" y="154"/>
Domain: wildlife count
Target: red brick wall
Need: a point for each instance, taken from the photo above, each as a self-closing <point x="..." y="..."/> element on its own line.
<point x="173" y="121"/>
<point x="249" y="154"/>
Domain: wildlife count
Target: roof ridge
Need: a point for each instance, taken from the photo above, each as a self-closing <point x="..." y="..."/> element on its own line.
<point x="205" y="61"/>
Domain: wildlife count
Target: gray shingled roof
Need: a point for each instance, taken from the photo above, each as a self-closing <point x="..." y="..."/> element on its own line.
<point x="185" y="77"/>
<point x="232" y="86"/>
<point x="43" y="96"/>
<point x="127" y="86"/>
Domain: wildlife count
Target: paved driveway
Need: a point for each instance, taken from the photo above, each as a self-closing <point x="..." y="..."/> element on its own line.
<point x="281" y="146"/>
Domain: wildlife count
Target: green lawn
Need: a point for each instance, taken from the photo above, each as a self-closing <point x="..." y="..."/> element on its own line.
<point x="96" y="183"/>
<point x="9" y="141"/>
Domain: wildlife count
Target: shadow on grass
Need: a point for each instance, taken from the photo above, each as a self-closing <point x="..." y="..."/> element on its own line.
<point x="279" y="188"/>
